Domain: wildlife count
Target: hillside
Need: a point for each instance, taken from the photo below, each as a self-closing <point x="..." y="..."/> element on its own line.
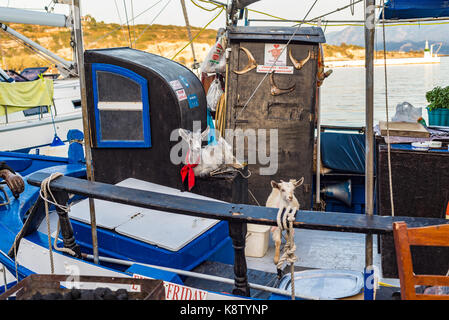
<point x="165" y="40"/>
<point x="398" y="38"/>
<point x="352" y="52"/>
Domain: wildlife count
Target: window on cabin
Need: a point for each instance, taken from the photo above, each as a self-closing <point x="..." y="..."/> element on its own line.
<point x="76" y="103"/>
<point x="35" y="111"/>
<point x="121" y="112"/>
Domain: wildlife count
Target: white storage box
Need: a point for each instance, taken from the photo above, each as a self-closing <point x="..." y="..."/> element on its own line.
<point x="257" y="237"/>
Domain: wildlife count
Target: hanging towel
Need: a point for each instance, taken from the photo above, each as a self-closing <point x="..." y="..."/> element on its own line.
<point x="18" y="96"/>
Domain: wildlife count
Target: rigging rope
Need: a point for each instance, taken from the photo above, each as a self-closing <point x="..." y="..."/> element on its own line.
<point x="336" y="10"/>
<point x="309" y="22"/>
<point x="37" y="53"/>
<point x="120" y="27"/>
<point x="390" y="178"/>
<point x="119" y="17"/>
<point x="352" y="6"/>
<point x="151" y="23"/>
<point x="206" y="9"/>
<point x="133" y="20"/>
<point x="189" y="33"/>
<point x="127" y="24"/>
<point x="204" y="28"/>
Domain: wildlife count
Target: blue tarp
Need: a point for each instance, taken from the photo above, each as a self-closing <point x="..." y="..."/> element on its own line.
<point x="343" y="152"/>
<point x="415" y="9"/>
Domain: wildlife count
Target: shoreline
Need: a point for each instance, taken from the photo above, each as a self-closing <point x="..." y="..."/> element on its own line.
<point x="381" y="62"/>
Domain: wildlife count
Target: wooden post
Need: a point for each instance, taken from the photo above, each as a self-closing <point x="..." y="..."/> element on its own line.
<point x="370" y="29"/>
<point x="86" y="125"/>
<point x="237" y="232"/>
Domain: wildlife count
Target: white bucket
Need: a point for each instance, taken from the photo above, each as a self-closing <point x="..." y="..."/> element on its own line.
<point x="257" y="237"/>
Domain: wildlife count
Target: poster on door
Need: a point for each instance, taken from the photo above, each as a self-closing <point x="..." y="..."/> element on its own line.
<point x="275" y="54"/>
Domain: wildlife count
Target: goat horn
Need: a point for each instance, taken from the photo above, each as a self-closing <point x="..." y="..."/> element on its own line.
<point x="323" y="75"/>
<point x="251" y="62"/>
<point x="275" y="90"/>
<point x="299" y="64"/>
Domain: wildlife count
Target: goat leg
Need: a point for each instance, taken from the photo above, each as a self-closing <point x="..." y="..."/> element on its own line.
<point x="276" y="235"/>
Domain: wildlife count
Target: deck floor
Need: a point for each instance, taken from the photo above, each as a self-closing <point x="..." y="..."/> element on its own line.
<point x="325" y="250"/>
<point x="315" y="250"/>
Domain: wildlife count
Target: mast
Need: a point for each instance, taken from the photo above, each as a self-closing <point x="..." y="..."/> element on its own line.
<point x="64" y="66"/>
<point x="369" y="133"/>
<point x="14" y="15"/>
<point x="22" y="16"/>
<point x="86" y="126"/>
<point x="195" y="65"/>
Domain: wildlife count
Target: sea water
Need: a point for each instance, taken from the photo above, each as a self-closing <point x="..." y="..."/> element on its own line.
<point x="343" y="92"/>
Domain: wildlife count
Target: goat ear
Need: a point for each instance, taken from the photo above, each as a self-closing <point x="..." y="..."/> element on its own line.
<point x="205" y="133"/>
<point x="184" y="134"/>
<point x="274" y="184"/>
<point x="299" y="182"/>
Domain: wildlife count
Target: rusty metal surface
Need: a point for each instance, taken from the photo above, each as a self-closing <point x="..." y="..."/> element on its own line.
<point x="45" y="283"/>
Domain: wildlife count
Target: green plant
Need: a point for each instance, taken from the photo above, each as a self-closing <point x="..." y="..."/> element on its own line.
<point x="438" y="98"/>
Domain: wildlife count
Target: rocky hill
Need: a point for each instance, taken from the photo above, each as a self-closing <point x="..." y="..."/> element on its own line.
<point x="165" y="40"/>
<point x="398" y="38"/>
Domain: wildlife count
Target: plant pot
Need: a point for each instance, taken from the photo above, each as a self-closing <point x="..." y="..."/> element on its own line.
<point x="438" y="117"/>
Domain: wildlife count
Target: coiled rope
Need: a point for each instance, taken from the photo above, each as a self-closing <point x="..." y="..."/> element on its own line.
<point x="44" y="192"/>
<point x="289" y="250"/>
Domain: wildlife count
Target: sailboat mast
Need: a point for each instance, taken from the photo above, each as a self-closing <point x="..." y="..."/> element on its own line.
<point x="87" y="136"/>
<point x="186" y="18"/>
<point x="369" y="118"/>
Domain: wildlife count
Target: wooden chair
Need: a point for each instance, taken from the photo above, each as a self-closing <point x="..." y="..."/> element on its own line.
<point x="425" y="236"/>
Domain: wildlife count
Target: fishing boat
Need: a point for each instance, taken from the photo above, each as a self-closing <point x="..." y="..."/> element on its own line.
<point x="25" y="124"/>
<point x="137" y="218"/>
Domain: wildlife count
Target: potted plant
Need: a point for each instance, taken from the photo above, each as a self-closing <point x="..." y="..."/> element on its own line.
<point x="438" y="108"/>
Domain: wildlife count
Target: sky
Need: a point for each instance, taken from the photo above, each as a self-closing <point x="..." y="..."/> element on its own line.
<point x="170" y="11"/>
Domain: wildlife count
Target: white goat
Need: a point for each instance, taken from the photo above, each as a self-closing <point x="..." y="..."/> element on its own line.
<point x="282" y="195"/>
<point x="209" y="158"/>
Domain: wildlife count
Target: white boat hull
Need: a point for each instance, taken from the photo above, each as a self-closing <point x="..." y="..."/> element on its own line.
<point x="21" y="132"/>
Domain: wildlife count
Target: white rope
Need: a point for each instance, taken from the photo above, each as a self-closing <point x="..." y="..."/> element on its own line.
<point x="4" y="277"/>
<point x="55" y="246"/>
<point x="15" y="257"/>
<point x="44" y="192"/>
<point x="285" y="222"/>
<point x="151" y="23"/>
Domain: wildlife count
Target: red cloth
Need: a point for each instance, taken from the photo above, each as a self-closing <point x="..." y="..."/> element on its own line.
<point x="187" y="170"/>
